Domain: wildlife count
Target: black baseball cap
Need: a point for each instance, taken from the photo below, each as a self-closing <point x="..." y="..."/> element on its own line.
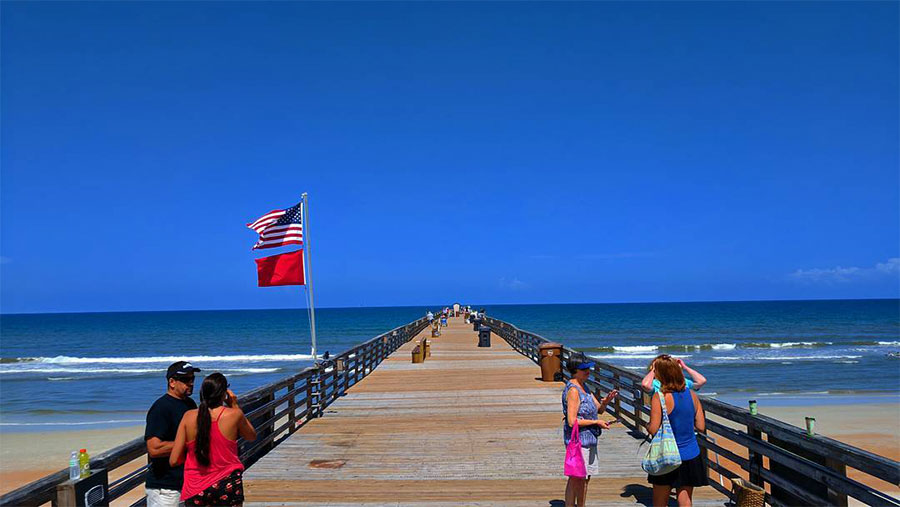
<point x="181" y="369"/>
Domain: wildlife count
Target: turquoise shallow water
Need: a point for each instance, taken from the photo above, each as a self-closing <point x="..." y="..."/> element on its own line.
<point x="60" y="371"/>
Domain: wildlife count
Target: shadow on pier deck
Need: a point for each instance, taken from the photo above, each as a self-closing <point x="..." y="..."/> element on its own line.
<point x="472" y="426"/>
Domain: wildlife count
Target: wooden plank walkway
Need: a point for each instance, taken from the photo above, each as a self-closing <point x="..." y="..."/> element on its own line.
<point x="470" y="426"/>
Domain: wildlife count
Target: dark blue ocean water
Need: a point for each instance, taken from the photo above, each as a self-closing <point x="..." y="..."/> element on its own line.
<point x="89" y="370"/>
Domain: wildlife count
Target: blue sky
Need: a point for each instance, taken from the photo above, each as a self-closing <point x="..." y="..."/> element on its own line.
<point x="485" y="152"/>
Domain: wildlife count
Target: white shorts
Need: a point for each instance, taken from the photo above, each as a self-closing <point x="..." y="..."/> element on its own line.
<point x="163" y="498"/>
<point x="591" y="460"/>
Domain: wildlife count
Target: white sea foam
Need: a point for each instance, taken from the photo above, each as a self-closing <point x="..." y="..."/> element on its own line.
<point x="76" y="370"/>
<point x="635" y="349"/>
<point x="892" y="344"/>
<point x="633" y="356"/>
<point x="781" y="358"/>
<point x="81" y="423"/>
<point x="798" y="344"/>
<point x="32" y="369"/>
<point x="724" y="346"/>
<point x="172" y="359"/>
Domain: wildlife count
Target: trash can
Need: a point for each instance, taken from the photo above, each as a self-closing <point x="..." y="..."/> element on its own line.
<point x="551" y="366"/>
<point x="417" y="355"/>
<point x="476" y="323"/>
<point x="435" y="331"/>
<point x="427" y="345"/>
<point x="484" y="336"/>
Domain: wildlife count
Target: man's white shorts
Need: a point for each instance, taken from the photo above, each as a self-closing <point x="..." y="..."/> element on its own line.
<point x="163" y="498"/>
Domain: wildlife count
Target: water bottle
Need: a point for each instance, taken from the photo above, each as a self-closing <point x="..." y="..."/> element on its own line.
<point x="84" y="463"/>
<point x="74" y="468"/>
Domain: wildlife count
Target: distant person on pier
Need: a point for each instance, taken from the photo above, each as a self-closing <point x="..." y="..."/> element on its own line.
<point x="582" y="408"/>
<point x="207" y="445"/>
<point x="429" y="316"/>
<point x="685" y="414"/>
<point x="652" y="385"/>
<point x="163" y="484"/>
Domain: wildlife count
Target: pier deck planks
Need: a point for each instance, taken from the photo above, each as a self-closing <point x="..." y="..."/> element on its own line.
<point x="471" y="426"/>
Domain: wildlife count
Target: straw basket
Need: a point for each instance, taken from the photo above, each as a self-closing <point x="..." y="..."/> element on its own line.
<point x="747" y="494"/>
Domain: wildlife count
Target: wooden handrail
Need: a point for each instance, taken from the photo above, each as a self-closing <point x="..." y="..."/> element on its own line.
<point x="801" y="466"/>
<point x="299" y="398"/>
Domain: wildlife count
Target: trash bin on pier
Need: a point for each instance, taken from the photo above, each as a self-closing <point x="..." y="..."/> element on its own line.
<point x="418" y="355"/>
<point x="550" y="360"/>
<point x="484" y="336"/>
<point x="427" y="348"/>
<point x="476" y="323"/>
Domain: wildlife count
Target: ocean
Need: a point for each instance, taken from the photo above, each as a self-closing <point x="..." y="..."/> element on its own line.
<point x="93" y="370"/>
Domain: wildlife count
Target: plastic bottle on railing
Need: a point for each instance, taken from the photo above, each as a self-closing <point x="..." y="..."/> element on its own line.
<point x="74" y="468"/>
<point x="84" y="463"/>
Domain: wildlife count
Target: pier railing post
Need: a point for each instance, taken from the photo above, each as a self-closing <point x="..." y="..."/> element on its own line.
<point x="835" y="498"/>
<point x="292" y="403"/>
<point x="645" y="401"/>
<point x="637" y="396"/>
<point x="618" y="401"/>
<point x="756" y="459"/>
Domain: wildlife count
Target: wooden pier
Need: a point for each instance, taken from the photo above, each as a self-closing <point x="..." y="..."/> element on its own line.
<point x="469" y="426"/>
<point x="476" y="426"/>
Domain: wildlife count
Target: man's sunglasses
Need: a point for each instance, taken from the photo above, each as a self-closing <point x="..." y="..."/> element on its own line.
<point x="184" y="380"/>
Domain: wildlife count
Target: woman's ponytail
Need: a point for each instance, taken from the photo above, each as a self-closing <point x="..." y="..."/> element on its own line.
<point x="212" y="395"/>
<point x="204" y="421"/>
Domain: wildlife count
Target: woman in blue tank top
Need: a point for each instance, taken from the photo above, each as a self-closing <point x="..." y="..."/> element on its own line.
<point x="685" y="414"/>
<point x="583" y="408"/>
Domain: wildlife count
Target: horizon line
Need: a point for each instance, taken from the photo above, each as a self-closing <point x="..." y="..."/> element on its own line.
<point x="428" y="305"/>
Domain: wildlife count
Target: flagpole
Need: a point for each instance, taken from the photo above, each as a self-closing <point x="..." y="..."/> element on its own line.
<point x="307" y="275"/>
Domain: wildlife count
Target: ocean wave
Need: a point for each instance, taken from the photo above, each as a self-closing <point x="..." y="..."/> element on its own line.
<point x="631" y="356"/>
<point x="76" y="423"/>
<point x="7" y="371"/>
<point x="781" y="358"/>
<point x="634" y="349"/>
<point x="701" y="346"/>
<point x="227" y="371"/>
<point x="779" y="345"/>
<point x="158" y="359"/>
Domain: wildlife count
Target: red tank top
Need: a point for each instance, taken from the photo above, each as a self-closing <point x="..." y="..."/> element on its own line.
<point x="223" y="459"/>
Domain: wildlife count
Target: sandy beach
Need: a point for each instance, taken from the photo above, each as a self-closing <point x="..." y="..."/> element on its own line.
<point x="25" y="457"/>
<point x="28" y="456"/>
<point x="874" y="427"/>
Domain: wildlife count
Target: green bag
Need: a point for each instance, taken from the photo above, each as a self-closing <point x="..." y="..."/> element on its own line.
<point x="662" y="456"/>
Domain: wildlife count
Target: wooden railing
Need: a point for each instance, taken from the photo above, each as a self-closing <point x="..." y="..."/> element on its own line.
<point x="801" y="469"/>
<point x="276" y="411"/>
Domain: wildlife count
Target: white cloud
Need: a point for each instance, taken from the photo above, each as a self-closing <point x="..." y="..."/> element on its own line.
<point x="891" y="266"/>
<point x="841" y="274"/>
<point x="512" y="284"/>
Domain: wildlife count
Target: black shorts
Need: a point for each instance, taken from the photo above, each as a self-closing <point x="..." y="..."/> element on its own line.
<point x="691" y="473"/>
<point x="228" y="491"/>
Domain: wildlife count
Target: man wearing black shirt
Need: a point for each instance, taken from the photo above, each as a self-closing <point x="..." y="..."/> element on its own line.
<point x="164" y="481"/>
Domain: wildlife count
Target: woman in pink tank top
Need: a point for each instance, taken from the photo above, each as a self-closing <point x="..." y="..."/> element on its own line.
<point x="207" y="445"/>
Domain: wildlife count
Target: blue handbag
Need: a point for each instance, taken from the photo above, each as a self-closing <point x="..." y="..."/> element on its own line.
<point x="662" y="457"/>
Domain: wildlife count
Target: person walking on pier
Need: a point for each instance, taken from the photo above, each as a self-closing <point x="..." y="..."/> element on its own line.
<point x="685" y="414"/>
<point x="582" y="408"/>
<point x="163" y="486"/>
<point x="207" y="445"/>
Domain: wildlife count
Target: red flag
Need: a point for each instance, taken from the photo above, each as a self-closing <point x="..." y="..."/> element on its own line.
<point x="281" y="269"/>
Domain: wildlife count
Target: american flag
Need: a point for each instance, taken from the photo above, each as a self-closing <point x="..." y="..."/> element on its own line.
<point x="279" y="227"/>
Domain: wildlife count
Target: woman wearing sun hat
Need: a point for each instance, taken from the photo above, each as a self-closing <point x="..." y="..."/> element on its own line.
<point x="582" y="408"/>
